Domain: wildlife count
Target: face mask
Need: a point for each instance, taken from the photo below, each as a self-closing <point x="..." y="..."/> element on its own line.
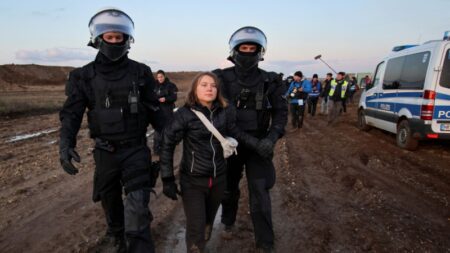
<point x="246" y="60"/>
<point x="113" y="51"/>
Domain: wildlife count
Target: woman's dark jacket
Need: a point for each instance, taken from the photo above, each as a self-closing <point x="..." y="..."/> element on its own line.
<point x="202" y="152"/>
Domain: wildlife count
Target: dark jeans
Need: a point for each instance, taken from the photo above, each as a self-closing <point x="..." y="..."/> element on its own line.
<point x="167" y="111"/>
<point x="350" y="96"/>
<point x="312" y="105"/>
<point x="200" y="207"/>
<point x="297" y="112"/>
<point x="128" y="168"/>
<point x="260" y="174"/>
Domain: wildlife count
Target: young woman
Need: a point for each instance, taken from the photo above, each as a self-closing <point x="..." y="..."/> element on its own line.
<point x="203" y="167"/>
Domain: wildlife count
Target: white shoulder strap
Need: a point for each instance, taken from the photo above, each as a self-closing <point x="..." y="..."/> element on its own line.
<point x="209" y="126"/>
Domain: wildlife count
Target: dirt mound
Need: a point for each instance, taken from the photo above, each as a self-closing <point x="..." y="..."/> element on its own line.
<point x="31" y="74"/>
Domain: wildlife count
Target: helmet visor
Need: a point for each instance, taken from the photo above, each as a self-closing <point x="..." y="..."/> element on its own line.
<point x="111" y="20"/>
<point x="248" y="34"/>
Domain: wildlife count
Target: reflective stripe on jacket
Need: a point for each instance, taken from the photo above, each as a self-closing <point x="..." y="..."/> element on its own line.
<point x="333" y="88"/>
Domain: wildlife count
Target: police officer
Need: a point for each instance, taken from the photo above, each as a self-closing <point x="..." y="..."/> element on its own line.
<point x="119" y="95"/>
<point x="166" y="91"/>
<point x="261" y="112"/>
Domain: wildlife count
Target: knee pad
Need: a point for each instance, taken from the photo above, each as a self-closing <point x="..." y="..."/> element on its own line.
<point x="136" y="212"/>
<point x="136" y="180"/>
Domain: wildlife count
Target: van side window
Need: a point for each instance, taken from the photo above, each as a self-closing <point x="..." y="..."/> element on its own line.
<point x="378" y="72"/>
<point x="407" y="72"/>
<point x="415" y="71"/>
<point x="445" y="76"/>
<point x="393" y="73"/>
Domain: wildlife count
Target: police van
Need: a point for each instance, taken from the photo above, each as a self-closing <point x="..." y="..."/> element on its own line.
<point x="410" y="94"/>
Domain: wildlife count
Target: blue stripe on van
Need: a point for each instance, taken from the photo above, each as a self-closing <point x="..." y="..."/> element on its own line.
<point x="441" y="112"/>
<point x="410" y="94"/>
<point x="442" y="96"/>
<point x="399" y="94"/>
<point x="396" y="107"/>
<point x="414" y="109"/>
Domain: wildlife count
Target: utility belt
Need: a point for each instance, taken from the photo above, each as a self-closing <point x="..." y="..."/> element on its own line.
<point x="112" y="146"/>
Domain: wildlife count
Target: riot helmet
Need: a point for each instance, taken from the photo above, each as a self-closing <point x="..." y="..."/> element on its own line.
<point x="111" y="20"/>
<point x="247" y="35"/>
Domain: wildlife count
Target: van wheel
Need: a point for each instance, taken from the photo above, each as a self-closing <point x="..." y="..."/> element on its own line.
<point x="362" y="124"/>
<point x="404" y="136"/>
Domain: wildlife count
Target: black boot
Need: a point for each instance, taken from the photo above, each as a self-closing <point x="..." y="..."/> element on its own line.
<point x="119" y="244"/>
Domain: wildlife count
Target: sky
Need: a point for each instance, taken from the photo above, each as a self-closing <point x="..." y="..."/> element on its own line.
<point x="177" y="35"/>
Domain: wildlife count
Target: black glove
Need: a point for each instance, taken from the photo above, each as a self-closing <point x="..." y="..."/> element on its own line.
<point x="66" y="154"/>
<point x="273" y="136"/>
<point x="170" y="188"/>
<point x="265" y="148"/>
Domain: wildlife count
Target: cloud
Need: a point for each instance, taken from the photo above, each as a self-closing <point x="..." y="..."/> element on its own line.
<point x="150" y="62"/>
<point x="47" y="13"/>
<point x="290" y="64"/>
<point x="39" y="13"/>
<point x="55" y="55"/>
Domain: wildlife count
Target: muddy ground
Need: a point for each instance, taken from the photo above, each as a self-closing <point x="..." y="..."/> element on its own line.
<point x="338" y="190"/>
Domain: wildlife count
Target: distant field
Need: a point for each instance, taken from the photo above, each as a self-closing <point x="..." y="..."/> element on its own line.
<point x="18" y="103"/>
<point x="34" y="89"/>
<point x="37" y="100"/>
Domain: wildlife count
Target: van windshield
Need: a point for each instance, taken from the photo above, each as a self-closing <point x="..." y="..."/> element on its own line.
<point x="445" y="74"/>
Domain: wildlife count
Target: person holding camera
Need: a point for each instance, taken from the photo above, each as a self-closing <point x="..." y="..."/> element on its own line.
<point x="298" y="95"/>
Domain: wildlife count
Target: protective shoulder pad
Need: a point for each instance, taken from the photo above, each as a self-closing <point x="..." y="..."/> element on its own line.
<point x="227" y="74"/>
<point x="274" y="78"/>
<point x="72" y="79"/>
<point x="143" y="69"/>
<point x="84" y="73"/>
<point x="87" y="72"/>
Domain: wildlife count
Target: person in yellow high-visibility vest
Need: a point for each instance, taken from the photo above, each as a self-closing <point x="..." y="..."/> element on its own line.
<point x="337" y="94"/>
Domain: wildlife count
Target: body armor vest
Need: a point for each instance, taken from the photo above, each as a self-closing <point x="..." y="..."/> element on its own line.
<point x="116" y="111"/>
<point x="251" y="100"/>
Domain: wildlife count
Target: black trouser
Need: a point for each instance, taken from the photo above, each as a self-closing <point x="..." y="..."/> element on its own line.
<point x="297" y="112"/>
<point x="260" y="174"/>
<point x="350" y="96"/>
<point x="200" y="207"/>
<point x="167" y="111"/>
<point x="312" y="105"/>
<point x="127" y="167"/>
<point x="157" y="141"/>
<point x="344" y="104"/>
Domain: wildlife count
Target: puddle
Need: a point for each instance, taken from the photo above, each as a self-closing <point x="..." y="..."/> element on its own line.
<point x="30" y="136"/>
<point x="176" y="240"/>
<point x="51" y="142"/>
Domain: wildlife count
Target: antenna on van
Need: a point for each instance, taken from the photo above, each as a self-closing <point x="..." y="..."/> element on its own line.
<point x="319" y="57"/>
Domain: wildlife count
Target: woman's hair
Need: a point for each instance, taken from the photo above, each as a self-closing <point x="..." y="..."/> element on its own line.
<point x="192" y="95"/>
<point x="161" y="72"/>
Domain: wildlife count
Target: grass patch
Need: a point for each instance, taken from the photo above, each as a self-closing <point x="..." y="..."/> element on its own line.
<point x="15" y="104"/>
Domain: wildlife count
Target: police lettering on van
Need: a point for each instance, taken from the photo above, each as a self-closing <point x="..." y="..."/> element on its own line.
<point x="410" y="95"/>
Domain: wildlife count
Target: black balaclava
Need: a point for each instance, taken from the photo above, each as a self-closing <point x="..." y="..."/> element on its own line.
<point x="111" y="70"/>
<point x="114" y="51"/>
<point x="246" y="61"/>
